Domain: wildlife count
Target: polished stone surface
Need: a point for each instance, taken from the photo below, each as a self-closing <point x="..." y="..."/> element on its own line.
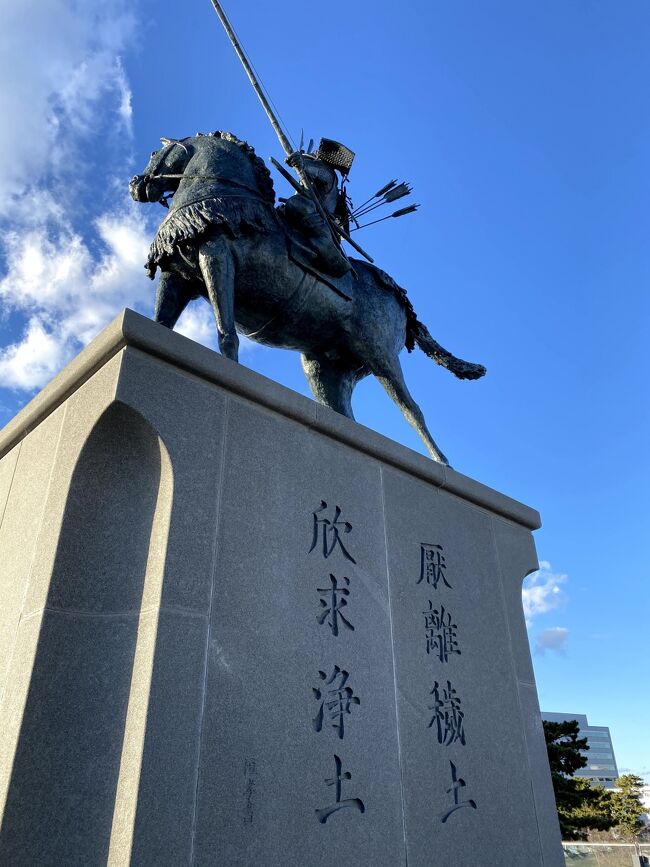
<point x="239" y="629"/>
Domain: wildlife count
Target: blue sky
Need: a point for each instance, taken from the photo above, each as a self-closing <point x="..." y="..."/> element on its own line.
<point x="524" y="128"/>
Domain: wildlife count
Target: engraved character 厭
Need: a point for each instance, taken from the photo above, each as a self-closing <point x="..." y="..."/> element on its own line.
<point x="432" y="565"/>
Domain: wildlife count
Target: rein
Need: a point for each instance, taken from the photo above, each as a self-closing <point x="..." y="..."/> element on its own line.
<point x="209" y="178"/>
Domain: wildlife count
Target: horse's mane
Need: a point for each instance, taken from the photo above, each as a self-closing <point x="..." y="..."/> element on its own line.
<point x="262" y="174"/>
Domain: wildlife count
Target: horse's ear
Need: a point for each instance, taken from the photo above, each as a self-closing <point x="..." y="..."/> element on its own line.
<point x="166" y="141"/>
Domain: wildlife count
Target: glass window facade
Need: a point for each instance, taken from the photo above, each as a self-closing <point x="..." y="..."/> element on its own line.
<point x="601" y="767"/>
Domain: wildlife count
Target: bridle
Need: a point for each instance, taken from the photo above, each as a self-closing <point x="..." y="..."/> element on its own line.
<point x="164" y="199"/>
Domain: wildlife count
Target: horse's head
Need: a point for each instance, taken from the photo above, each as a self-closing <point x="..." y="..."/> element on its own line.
<point x="156" y="180"/>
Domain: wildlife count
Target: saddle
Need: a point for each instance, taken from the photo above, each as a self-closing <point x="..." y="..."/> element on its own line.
<point x="307" y="258"/>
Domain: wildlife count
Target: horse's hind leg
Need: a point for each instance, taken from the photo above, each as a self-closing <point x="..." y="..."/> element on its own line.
<point x="332" y="381"/>
<point x="389" y="373"/>
<point x="218" y="272"/>
<point x="173" y="295"/>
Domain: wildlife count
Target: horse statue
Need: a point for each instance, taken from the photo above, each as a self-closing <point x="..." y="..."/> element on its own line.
<point x="223" y="239"/>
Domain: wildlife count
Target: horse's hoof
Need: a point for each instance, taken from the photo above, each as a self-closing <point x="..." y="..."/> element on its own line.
<point x="229" y="347"/>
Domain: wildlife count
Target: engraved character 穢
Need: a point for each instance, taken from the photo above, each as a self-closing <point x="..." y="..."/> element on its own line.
<point x="447" y="715"/>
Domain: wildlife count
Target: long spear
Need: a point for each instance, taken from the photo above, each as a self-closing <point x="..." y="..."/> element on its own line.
<point x="284" y="141"/>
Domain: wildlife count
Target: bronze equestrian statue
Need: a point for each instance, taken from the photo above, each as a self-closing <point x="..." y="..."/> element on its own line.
<point x="274" y="275"/>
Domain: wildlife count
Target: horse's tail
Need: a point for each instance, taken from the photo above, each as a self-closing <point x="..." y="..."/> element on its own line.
<point x="461" y="369"/>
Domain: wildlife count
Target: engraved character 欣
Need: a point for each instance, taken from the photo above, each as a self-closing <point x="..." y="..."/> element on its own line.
<point x="336" y="701"/>
<point x="329" y="531"/>
<point x="353" y="803"/>
<point x="432" y="565"/>
<point x="447" y="714"/>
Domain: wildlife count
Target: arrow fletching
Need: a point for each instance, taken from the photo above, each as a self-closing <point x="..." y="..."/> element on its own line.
<point x="397" y="192"/>
<point x="384" y="189"/>
<point x="409" y="210"/>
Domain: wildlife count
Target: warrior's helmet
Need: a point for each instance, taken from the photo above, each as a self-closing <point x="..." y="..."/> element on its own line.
<point x="335" y="154"/>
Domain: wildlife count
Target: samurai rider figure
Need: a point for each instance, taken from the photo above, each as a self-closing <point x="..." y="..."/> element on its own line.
<point x="302" y="214"/>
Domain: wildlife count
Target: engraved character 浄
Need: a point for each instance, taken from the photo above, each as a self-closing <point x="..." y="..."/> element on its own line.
<point x="335" y="701"/>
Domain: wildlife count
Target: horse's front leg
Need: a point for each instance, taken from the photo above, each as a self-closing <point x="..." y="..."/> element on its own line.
<point x="218" y="272"/>
<point x="173" y="295"/>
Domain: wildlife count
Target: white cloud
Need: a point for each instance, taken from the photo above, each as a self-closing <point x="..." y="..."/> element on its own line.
<point x="554" y="639"/>
<point x="73" y="243"/>
<point x="542" y="591"/>
<point x="69" y="264"/>
<point x="197" y="323"/>
<point x="34" y="360"/>
<point x="59" y="60"/>
<point x="67" y="294"/>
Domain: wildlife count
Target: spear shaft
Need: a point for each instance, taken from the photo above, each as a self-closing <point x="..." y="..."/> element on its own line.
<point x="284" y="141"/>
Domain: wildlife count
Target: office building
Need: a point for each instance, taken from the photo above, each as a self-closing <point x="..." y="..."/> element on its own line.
<point x="601" y="762"/>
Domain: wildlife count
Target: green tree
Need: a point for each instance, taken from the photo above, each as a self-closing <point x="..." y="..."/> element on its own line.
<point x="581" y="807"/>
<point x="627" y="807"/>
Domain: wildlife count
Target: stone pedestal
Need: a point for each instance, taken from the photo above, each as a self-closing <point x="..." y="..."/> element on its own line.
<point x="239" y="629"/>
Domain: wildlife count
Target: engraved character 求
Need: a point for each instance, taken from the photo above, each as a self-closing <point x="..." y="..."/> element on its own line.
<point x="334" y="599"/>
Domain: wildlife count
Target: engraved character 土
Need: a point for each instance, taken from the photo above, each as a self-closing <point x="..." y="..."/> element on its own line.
<point x="329" y="531"/>
<point x="440" y="633"/>
<point x="456" y="785"/>
<point x="335" y="701"/>
<point x="334" y="599"/>
<point x="432" y="565"/>
<point x="353" y="803"/>
<point x="447" y="714"/>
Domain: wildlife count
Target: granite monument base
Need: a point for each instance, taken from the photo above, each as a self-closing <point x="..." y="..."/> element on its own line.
<point x="239" y="629"/>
